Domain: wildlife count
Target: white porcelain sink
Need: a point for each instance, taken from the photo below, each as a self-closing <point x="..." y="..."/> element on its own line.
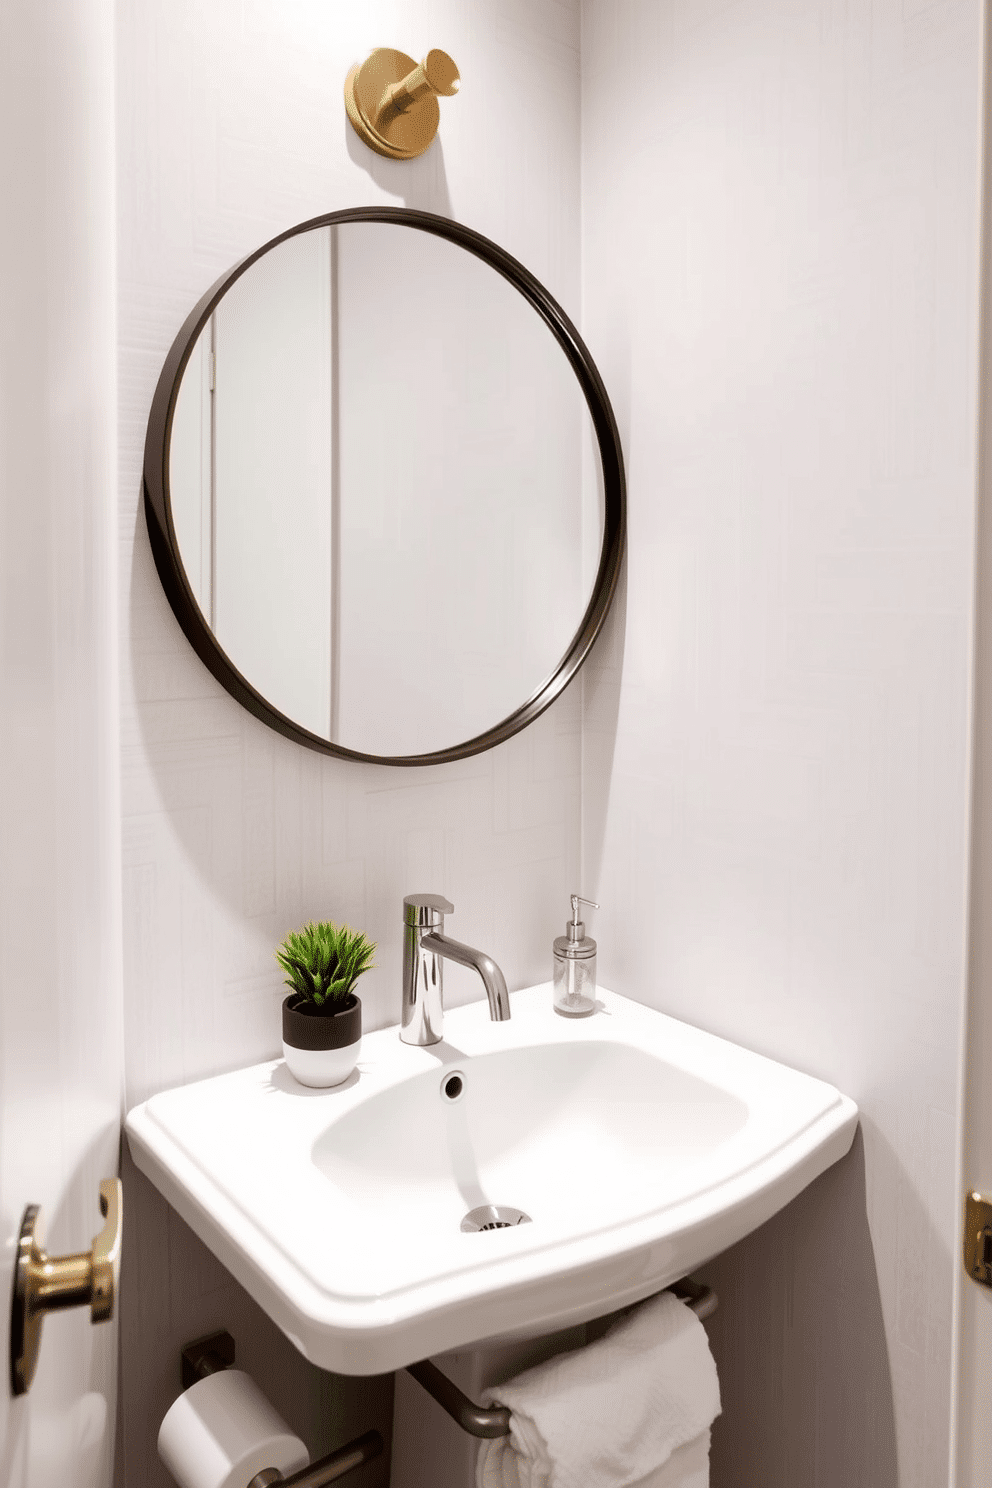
<point x="638" y="1146"/>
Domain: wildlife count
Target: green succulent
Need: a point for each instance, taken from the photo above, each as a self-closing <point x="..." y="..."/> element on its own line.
<point x="323" y="962"/>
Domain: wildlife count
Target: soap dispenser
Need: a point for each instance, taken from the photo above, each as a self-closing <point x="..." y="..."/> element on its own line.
<point x="575" y="966"/>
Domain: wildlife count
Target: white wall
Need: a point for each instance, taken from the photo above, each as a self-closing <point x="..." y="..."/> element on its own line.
<point x="780" y="233"/>
<point x="60" y="962"/>
<point x="231" y="126"/>
<point x="974" y="1420"/>
<point x="780" y="238"/>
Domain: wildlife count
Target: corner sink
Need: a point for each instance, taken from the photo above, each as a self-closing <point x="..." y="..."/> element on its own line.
<point x="635" y="1146"/>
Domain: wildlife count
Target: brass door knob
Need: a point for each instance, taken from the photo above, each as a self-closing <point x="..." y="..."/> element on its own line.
<point x="392" y="100"/>
<point x="978" y="1238"/>
<point x="44" y="1283"/>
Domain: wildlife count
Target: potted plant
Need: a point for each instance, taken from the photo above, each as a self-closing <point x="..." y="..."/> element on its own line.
<point x="322" y="1017"/>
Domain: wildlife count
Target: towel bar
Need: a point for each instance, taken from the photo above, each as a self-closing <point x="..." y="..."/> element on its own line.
<point x="491" y="1421"/>
<point x="701" y="1299"/>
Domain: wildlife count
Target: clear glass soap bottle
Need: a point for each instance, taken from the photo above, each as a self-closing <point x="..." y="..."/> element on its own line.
<point x="575" y="966"/>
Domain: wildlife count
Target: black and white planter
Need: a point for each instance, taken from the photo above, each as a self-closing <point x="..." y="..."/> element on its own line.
<point x="321" y="1048"/>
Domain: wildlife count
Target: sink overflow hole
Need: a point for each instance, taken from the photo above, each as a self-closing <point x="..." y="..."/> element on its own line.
<point x="453" y="1085"/>
<point x="493" y="1217"/>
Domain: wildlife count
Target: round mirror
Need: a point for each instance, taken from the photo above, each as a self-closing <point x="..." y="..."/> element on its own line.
<point x="384" y="488"/>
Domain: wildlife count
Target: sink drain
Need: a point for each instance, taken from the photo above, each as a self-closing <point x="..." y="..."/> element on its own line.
<point x="493" y="1217"/>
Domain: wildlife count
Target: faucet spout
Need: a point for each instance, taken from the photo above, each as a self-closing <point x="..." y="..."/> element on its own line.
<point x="425" y="948"/>
<point x="492" y="978"/>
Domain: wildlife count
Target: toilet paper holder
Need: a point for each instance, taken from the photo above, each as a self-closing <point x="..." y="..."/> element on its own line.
<point x="210" y="1355"/>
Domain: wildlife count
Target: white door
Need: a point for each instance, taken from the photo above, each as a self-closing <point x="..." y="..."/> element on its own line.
<point x="973" y="1391"/>
<point x="60" y="1011"/>
<point x="972" y="1401"/>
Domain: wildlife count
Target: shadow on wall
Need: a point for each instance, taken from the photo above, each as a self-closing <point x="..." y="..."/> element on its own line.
<point x="603" y="672"/>
<point x="800" y="1346"/>
<point x="421" y="183"/>
<point x="173" y="1291"/>
<point x="601" y="679"/>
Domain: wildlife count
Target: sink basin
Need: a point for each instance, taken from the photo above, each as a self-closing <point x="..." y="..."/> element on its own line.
<point x="635" y="1146"/>
<point x="576" y="1133"/>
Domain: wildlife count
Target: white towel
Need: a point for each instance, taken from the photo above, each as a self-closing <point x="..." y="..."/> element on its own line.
<point x="612" y="1413"/>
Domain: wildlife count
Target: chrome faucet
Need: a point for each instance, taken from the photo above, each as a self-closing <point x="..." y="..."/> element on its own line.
<point x="424" y="947"/>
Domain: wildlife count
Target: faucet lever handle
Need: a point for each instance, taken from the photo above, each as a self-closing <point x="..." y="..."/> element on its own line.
<point x="426" y="909"/>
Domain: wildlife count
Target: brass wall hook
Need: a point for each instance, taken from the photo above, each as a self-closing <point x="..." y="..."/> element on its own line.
<point x="44" y="1283"/>
<point x="392" y="100"/>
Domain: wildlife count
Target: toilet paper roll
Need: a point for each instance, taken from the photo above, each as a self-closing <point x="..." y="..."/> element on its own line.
<point x="222" y="1431"/>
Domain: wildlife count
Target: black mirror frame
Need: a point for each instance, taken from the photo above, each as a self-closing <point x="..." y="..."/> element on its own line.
<point x="162" y="532"/>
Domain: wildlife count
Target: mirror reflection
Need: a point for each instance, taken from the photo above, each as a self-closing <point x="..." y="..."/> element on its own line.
<point x="385" y="488"/>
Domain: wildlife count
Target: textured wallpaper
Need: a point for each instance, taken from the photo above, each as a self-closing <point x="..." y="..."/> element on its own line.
<point x="232" y="127"/>
<point x="780" y="239"/>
